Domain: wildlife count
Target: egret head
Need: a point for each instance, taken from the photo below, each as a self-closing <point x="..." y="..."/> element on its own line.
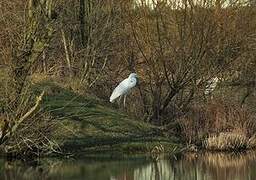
<point x="133" y="75"/>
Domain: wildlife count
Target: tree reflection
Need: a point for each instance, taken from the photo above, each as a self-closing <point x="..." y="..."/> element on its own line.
<point x="200" y="166"/>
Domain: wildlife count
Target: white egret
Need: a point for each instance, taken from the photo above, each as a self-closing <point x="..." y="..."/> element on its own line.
<point x="124" y="87"/>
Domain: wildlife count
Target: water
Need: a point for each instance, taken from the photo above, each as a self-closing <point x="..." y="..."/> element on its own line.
<point x="206" y="166"/>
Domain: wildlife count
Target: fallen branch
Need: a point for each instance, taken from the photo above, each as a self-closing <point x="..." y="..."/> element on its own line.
<point x="12" y="129"/>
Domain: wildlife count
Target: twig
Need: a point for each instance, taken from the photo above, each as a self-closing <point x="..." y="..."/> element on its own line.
<point x="24" y="117"/>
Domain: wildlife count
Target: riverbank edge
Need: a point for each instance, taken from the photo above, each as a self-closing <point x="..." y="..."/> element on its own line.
<point x="88" y="125"/>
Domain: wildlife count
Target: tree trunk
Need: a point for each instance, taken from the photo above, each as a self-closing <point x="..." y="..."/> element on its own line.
<point x="37" y="37"/>
<point x="84" y="13"/>
<point x="82" y="21"/>
<point x="158" y="111"/>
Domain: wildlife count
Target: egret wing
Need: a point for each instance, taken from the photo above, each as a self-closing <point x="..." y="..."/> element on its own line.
<point x="120" y="90"/>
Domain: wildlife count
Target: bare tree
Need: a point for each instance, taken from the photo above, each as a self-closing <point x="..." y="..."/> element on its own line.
<point x="182" y="46"/>
<point x="38" y="34"/>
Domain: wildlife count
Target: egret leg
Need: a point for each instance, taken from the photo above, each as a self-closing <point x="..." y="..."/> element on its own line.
<point x="119" y="100"/>
<point x="124" y="99"/>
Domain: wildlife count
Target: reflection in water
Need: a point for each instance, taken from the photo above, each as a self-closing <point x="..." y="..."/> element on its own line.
<point x="155" y="170"/>
<point x="204" y="166"/>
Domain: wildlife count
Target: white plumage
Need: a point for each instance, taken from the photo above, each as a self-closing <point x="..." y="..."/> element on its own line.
<point x="124" y="87"/>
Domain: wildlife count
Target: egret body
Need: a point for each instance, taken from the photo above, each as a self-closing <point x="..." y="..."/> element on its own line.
<point x="124" y="87"/>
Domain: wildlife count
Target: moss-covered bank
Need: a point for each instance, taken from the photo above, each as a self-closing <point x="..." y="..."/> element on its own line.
<point x="89" y="125"/>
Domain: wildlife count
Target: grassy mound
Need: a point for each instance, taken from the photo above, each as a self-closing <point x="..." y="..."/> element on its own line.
<point x="91" y="125"/>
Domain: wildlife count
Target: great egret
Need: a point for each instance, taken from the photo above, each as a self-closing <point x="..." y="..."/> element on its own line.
<point x="124" y="87"/>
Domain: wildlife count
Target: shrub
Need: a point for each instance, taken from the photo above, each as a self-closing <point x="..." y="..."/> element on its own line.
<point x="218" y="125"/>
<point x="25" y="128"/>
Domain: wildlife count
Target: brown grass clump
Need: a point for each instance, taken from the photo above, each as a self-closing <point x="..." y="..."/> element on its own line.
<point x="218" y="125"/>
<point x="229" y="141"/>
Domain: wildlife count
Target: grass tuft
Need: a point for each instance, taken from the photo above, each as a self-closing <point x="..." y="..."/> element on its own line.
<point x="229" y="141"/>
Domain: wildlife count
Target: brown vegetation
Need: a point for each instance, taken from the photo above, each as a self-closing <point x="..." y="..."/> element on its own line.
<point x="26" y="130"/>
<point x="174" y="47"/>
<point x="219" y="126"/>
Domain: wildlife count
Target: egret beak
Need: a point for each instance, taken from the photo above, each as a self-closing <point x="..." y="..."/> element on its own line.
<point x="137" y="80"/>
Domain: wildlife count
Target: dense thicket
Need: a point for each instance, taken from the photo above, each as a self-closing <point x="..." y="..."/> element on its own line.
<point x="175" y="47"/>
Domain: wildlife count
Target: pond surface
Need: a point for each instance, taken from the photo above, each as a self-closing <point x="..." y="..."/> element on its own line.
<point x="206" y="166"/>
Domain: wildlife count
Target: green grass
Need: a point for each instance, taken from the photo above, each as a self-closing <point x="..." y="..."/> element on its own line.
<point x="91" y="125"/>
